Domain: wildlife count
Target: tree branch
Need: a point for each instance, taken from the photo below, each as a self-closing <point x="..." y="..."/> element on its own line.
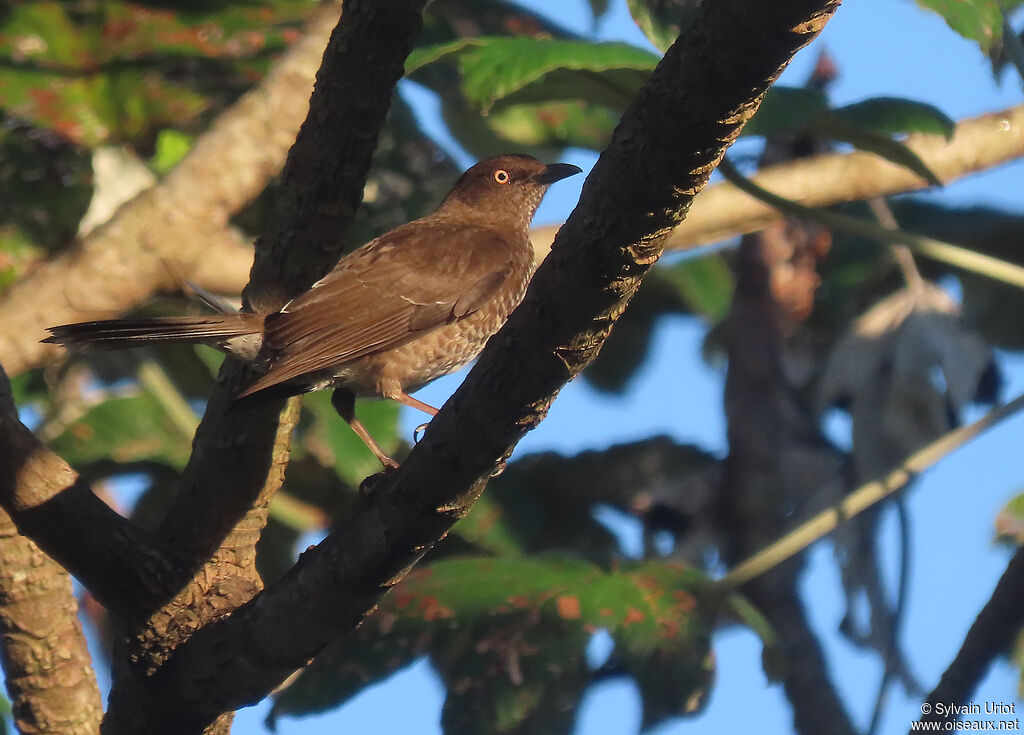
<point x="45" y="658"/>
<point x="993" y="634"/>
<point x="120" y="564"/>
<point x="707" y="86"/>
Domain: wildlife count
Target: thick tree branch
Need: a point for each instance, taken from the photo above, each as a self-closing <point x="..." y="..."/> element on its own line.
<point x="45" y="658"/>
<point x="705" y="88"/>
<point x="992" y="635"/>
<point x="161" y="236"/>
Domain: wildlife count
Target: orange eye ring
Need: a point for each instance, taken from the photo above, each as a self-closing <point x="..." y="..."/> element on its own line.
<point x="501" y="176"/>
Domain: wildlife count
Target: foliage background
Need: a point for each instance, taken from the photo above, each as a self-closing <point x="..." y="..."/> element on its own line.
<point x="912" y="54"/>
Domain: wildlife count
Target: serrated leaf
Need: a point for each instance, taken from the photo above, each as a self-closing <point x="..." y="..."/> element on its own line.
<point x="663" y="21"/>
<point x="895" y="116"/>
<point x="507" y="636"/>
<point x="528" y="70"/>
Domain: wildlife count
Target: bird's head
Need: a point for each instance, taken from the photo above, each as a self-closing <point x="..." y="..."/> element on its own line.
<point x="507" y="188"/>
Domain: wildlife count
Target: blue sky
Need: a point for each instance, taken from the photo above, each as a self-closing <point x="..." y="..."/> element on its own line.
<point x="882" y="47"/>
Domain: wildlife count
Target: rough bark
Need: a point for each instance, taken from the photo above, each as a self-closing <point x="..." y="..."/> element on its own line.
<point x="49" y="676"/>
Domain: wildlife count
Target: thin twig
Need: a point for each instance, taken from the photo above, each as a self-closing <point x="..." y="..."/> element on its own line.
<point x="945" y="252"/>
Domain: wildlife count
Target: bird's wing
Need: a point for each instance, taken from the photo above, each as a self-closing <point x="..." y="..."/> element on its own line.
<point x="407" y="282"/>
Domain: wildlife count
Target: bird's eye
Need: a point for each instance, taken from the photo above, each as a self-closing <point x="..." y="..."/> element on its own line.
<point x="501" y="176"/>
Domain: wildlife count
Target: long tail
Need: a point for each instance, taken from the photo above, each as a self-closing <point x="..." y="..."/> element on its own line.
<point x="116" y="334"/>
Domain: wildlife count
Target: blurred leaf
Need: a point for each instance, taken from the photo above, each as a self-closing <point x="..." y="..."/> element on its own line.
<point x="171" y="147"/>
<point x="786" y="110"/>
<point x="487" y="528"/>
<point x="508" y="636"/>
<point x="978" y="20"/>
<point x="125" y="429"/>
<point x="446" y="20"/>
<point x="705" y="284"/>
<point x="663" y="21"/>
<point x="517" y="70"/>
<point x="879" y="144"/>
<point x="117" y="71"/>
<point x="1009" y="524"/>
<point x="894" y="115"/>
<point x="335" y="440"/>
<point x="554" y="124"/>
<point x="45" y="187"/>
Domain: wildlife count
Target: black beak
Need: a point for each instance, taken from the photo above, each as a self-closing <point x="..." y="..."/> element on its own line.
<point x="556" y="172"/>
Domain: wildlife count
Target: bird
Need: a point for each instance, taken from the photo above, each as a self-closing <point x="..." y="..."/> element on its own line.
<point x="412" y="305"/>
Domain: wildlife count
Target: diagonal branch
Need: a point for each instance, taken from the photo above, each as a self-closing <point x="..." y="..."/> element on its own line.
<point x="706" y="88"/>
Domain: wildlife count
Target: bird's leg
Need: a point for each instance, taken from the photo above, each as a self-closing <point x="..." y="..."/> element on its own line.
<point x="344" y="403"/>
<point x="414" y="403"/>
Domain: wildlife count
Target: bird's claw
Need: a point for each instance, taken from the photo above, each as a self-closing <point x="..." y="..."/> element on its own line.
<point x="418" y="432"/>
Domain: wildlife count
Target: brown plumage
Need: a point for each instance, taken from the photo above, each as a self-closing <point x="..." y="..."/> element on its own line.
<point x="410" y="306"/>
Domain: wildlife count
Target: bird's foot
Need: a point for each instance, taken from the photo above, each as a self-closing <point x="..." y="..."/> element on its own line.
<point x="418" y="432"/>
<point x="373" y="483"/>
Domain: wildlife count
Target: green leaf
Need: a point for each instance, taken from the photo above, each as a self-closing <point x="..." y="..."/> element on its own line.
<point x="554" y="124"/>
<point x="171" y="146"/>
<point x="106" y="72"/>
<point x="978" y="20"/>
<point x="508" y="636"/>
<point x="125" y="429"/>
<point x="663" y="21"/>
<point x="895" y="116"/>
<point x="786" y="110"/>
<point x="352" y="460"/>
<point x="705" y="284"/>
<point x="877" y="143"/>
<point x="517" y="70"/>
<point x="45" y="187"/>
<point x="1010" y="522"/>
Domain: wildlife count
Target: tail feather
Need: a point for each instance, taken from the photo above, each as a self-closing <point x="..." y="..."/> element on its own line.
<point x="113" y="334"/>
